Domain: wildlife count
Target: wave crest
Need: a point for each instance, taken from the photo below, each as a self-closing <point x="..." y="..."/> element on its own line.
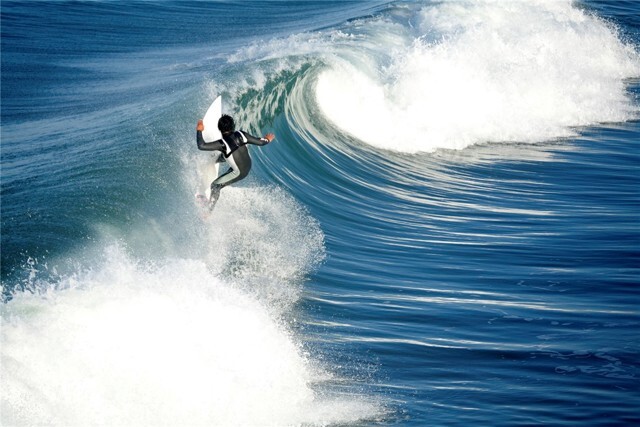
<point x="481" y="71"/>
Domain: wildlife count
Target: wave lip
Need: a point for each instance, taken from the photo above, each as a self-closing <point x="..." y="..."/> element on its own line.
<point x="481" y="71"/>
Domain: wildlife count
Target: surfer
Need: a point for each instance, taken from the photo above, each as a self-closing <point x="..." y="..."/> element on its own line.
<point x="233" y="146"/>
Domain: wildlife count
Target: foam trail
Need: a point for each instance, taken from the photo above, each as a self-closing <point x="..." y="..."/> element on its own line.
<point x="132" y="344"/>
<point x="469" y="72"/>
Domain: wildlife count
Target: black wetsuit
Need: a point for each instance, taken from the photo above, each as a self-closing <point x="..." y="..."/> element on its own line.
<point x="233" y="146"/>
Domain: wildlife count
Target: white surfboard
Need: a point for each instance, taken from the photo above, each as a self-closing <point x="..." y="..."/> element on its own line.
<point x="208" y="167"/>
<point x="210" y="120"/>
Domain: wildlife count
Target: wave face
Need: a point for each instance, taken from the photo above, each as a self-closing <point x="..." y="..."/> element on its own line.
<point x="444" y="232"/>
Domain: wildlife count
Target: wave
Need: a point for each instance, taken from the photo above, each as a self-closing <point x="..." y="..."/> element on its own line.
<point x="447" y="75"/>
<point x="185" y="321"/>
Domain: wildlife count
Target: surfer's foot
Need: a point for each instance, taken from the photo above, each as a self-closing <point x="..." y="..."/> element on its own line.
<point x="201" y="199"/>
<point x="215" y="195"/>
<point x="213" y="199"/>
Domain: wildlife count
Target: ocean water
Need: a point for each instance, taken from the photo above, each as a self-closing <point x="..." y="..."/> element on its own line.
<point x="446" y="230"/>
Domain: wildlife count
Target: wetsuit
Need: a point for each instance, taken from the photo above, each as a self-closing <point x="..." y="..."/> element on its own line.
<point x="233" y="146"/>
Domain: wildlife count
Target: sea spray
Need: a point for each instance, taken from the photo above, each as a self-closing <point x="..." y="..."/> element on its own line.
<point x="130" y="343"/>
<point x="124" y="338"/>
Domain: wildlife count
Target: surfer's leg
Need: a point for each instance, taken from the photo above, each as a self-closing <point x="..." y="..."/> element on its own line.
<point x="219" y="183"/>
<point x="240" y="164"/>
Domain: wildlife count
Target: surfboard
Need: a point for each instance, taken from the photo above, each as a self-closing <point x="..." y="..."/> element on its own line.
<point x="208" y="167"/>
<point x="210" y="120"/>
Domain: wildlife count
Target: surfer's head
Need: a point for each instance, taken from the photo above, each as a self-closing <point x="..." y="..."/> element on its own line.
<point x="226" y="124"/>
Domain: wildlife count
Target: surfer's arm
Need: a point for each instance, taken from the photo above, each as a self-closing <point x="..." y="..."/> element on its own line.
<point x="258" y="141"/>
<point x="208" y="146"/>
<point x="217" y="145"/>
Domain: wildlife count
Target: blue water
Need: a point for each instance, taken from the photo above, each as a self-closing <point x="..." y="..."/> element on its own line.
<point x="446" y="230"/>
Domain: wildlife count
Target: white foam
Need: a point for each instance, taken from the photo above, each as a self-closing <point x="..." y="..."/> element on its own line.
<point x="268" y="243"/>
<point x="130" y="344"/>
<point x="480" y="71"/>
<point x="193" y="335"/>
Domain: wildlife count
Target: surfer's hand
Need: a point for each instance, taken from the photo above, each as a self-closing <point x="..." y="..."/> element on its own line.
<point x="200" y="126"/>
<point x="269" y="137"/>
